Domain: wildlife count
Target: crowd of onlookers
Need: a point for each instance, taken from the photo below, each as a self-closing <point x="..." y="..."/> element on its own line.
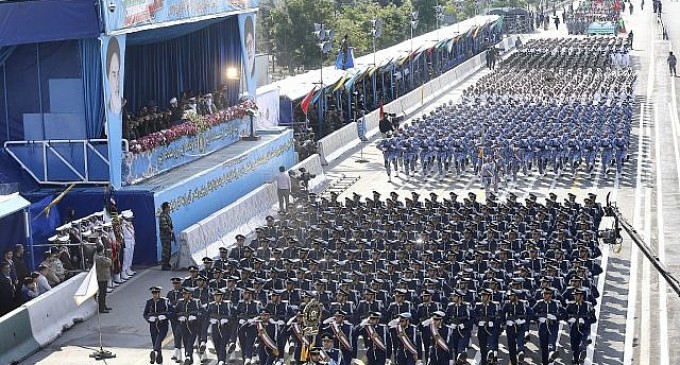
<point x="18" y="284"/>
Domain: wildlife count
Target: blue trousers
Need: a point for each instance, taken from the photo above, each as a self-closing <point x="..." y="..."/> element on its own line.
<point x="547" y="336"/>
<point x="158" y="332"/>
<point x="515" y="336"/>
<point x="578" y="335"/>
<point x="375" y="356"/>
<point x="220" y="337"/>
<point x="188" y="333"/>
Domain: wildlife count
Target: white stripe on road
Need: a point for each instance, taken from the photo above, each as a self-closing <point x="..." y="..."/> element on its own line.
<point x="663" y="329"/>
<point x="634" y="252"/>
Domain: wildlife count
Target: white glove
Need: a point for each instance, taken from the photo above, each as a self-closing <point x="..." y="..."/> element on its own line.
<point x="541" y="320"/>
<point x="481" y="323"/>
<point x="213" y="321"/>
<point x="192" y="318"/>
<point x="581" y="321"/>
<point x="520" y="321"/>
<point x="451" y="362"/>
<point x="241" y="322"/>
<point x="162" y="318"/>
<point x="152" y="319"/>
<point x="224" y="321"/>
<point x="461" y="326"/>
<point x="280" y="322"/>
<point x="251" y="321"/>
<point x="571" y="320"/>
<point x="420" y="362"/>
<point x="509" y="323"/>
<point x="182" y="319"/>
<point x="490" y="324"/>
<point x="552" y="317"/>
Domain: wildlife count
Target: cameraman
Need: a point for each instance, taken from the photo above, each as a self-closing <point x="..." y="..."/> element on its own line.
<point x="283" y="186"/>
<point x="385" y="126"/>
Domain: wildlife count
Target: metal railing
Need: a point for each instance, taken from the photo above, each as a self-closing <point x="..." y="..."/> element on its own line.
<point x="35" y="157"/>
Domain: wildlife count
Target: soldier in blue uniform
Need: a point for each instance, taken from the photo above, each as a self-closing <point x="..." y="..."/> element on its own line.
<point x="269" y="344"/>
<point x="157" y="312"/>
<point x="439" y="349"/>
<point x="621" y="151"/>
<point x="331" y="354"/>
<point x="219" y="316"/>
<point x="202" y="294"/>
<point x="377" y="339"/>
<point x="517" y="315"/>
<point x="459" y="318"/>
<point x="188" y="310"/>
<point x="342" y="333"/>
<point x="580" y="315"/>
<point x="246" y="312"/>
<point x="174" y="296"/>
<point x="487" y="315"/>
<point x="406" y="340"/>
<point x="548" y="312"/>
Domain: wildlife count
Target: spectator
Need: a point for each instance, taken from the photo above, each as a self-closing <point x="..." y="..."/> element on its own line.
<point x="8" y="257"/>
<point x="41" y="280"/>
<point x="50" y="273"/>
<point x="59" y="269"/>
<point x="7" y="289"/>
<point x="20" y="261"/>
<point x="29" y="290"/>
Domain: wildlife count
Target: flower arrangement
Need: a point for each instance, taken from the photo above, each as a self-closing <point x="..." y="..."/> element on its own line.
<point x="190" y="127"/>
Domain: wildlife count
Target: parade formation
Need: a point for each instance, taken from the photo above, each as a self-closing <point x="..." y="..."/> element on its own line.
<point x="407" y="281"/>
<point x="558" y="104"/>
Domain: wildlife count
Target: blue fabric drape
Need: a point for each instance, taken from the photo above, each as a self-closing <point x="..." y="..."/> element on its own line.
<point x="194" y="62"/>
<point x="92" y="86"/>
<point x="5" y="52"/>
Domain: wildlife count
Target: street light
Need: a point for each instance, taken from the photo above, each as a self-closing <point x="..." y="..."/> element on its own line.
<point x="325" y="42"/>
<point x="376" y="32"/>
<point x="439" y="16"/>
<point x="413" y="20"/>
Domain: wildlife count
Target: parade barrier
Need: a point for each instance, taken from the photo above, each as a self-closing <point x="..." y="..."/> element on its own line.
<point x="243" y="216"/>
<point x="335" y="144"/>
<point x="219" y="229"/>
<point x="16" y="338"/>
<point x="55" y="311"/>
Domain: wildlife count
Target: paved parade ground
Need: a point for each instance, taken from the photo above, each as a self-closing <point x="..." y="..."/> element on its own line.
<point x="639" y="317"/>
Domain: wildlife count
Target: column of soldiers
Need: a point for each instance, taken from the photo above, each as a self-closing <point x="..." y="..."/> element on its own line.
<point x="588" y="12"/>
<point x="411" y="281"/>
<point x="556" y="104"/>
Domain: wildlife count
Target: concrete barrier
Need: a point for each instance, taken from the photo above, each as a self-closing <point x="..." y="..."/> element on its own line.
<point x="16" y="338"/>
<point x="313" y="165"/>
<point x="219" y="229"/>
<point x="335" y="144"/>
<point x="55" y="311"/>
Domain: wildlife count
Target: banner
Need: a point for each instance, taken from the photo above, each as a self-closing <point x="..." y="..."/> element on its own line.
<point x="113" y="65"/>
<point x="246" y="25"/>
<point x="120" y="15"/>
<point x="267" y="108"/>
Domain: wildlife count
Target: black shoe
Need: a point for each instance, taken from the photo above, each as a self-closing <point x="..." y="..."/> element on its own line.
<point x="231" y="349"/>
<point x="165" y="268"/>
<point x="152" y="357"/>
<point x="159" y="358"/>
<point x="109" y="309"/>
<point x="103" y="310"/>
<point x="520" y="356"/>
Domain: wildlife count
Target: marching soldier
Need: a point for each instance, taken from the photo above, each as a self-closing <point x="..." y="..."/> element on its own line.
<point x="270" y="348"/>
<point x="174" y="296"/>
<point x="246" y="311"/>
<point x="219" y="316"/>
<point x="331" y="355"/>
<point x="377" y="339"/>
<point x="581" y="315"/>
<point x="406" y="340"/>
<point x="343" y="335"/>
<point x="548" y="313"/>
<point x="439" y="338"/>
<point x="188" y="311"/>
<point x="157" y="312"/>
<point x="487" y="314"/>
<point x="517" y="314"/>
<point x="459" y="318"/>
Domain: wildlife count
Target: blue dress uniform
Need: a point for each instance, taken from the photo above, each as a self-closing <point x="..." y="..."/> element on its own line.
<point x="187" y="311"/>
<point x="439" y="350"/>
<point x="280" y="311"/>
<point x="548" y="313"/>
<point x="332" y="355"/>
<point x="220" y="317"/>
<point x="202" y="294"/>
<point x="174" y="296"/>
<point x="246" y="310"/>
<point x="621" y="151"/>
<point x="377" y="340"/>
<point x="517" y="314"/>
<point x="269" y="344"/>
<point x="487" y="315"/>
<point x="580" y="315"/>
<point x="459" y="318"/>
<point x="343" y="335"/>
<point x="406" y="341"/>
<point x="157" y="312"/>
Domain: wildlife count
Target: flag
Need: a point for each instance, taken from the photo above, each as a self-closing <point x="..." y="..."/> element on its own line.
<point x="88" y="288"/>
<point x="304" y="105"/>
<point x="54" y="202"/>
<point x="382" y="112"/>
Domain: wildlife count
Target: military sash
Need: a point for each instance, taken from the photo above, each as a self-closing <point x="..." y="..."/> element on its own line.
<point x="264" y="336"/>
<point x="439" y="341"/>
<point x="408" y="345"/>
<point x="377" y="341"/>
<point x="298" y="333"/>
<point x="344" y="341"/>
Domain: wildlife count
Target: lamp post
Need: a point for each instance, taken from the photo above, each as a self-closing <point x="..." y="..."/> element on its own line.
<point x="439" y="16"/>
<point x="413" y="21"/>
<point x="325" y="42"/>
